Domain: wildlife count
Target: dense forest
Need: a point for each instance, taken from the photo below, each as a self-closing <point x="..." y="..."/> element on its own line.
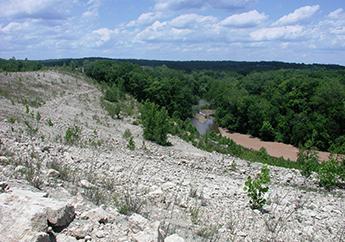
<point x="299" y="107"/>
<point x="299" y="104"/>
<point x="243" y="67"/>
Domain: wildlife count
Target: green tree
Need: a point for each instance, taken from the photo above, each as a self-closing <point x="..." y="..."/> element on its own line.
<point x="155" y="122"/>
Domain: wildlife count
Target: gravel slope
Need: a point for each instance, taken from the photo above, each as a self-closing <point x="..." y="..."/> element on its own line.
<point x="180" y="189"/>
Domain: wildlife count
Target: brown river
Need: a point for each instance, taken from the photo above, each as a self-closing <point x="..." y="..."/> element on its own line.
<point x="275" y="149"/>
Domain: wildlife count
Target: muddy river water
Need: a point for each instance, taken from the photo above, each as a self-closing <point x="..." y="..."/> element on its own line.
<point x="275" y="149"/>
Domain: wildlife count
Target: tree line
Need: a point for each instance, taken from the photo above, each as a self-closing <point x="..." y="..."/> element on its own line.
<point x="304" y="107"/>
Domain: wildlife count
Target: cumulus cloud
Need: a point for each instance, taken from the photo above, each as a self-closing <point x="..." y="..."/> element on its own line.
<point x="161" y="31"/>
<point x="247" y="19"/>
<point x="36" y="9"/>
<point x="191" y="20"/>
<point x="145" y="19"/>
<point x="176" y="5"/>
<point x="337" y="14"/>
<point x="278" y="33"/>
<point x="298" y="15"/>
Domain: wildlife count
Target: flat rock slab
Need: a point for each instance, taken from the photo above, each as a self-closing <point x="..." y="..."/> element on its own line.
<point x="24" y="214"/>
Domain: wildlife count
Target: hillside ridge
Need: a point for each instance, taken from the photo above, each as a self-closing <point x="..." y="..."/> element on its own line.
<point x="95" y="188"/>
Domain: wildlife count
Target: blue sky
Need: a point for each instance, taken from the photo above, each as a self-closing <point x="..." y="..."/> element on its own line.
<point x="247" y="30"/>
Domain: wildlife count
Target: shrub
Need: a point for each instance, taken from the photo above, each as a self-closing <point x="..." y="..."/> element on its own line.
<point x="128" y="203"/>
<point x="208" y="232"/>
<point x="328" y="174"/>
<point x="156" y="123"/>
<point x="195" y="214"/>
<point x="256" y="188"/>
<point x="131" y="143"/>
<point x="12" y="119"/>
<point x="72" y="134"/>
<point x="114" y="109"/>
<point x="127" y="134"/>
<point x="309" y="162"/>
<point x="113" y="94"/>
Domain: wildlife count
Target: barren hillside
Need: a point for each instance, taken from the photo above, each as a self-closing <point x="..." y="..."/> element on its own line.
<point x="97" y="189"/>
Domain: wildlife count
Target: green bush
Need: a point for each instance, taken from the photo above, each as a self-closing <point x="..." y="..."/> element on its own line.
<point x="131" y="143"/>
<point x="72" y="135"/>
<point x="127" y="134"/>
<point x="309" y="162"/>
<point x="256" y="188"/>
<point x="328" y="174"/>
<point x="113" y="94"/>
<point x="156" y="123"/>
<point x="114" y="109"/>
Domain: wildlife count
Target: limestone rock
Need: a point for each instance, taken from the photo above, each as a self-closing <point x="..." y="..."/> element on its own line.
<point x="65" y="238"/>
<point x="137" y="222"/>
<point x="24" y="214"/>
<point x="174" y="238"/>
<point x="53" y="173"/>
<point x="86" y="184"/>
<point x="61" y="217"/>
<point x="97" y="215"/>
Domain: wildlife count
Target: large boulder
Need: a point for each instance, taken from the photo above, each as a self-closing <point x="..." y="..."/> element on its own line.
<point x="24" y="215"/>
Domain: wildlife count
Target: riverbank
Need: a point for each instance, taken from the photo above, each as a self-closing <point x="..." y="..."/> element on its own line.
<point x="275" y="149"/>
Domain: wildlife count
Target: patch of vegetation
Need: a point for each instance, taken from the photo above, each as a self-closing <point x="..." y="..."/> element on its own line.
<point x="30" y="129"/>
<point x="32" y="174"/>
<point x="129" y="137"/>
<point x="12" y="119"/>
<point x="155" y="122"/>
<point x="113" y="94"/>
<point x="328" y="174"/>
<point x="131" y="143"/>
<point x="256" y="188"/>
<point x="128" y="203"/>
<point x="38" y="117"/>
<point x="308" y="160"/>
<point x="195" y="213"/>
<point x="96" y="195"/>
<point x="127" y="134"/>
<point x="208" y="232"/>
<point x="113" y="109"/>
<point x="65" y="171"/>
<point x="50" y="122"/>
<point x="72" y="135"/>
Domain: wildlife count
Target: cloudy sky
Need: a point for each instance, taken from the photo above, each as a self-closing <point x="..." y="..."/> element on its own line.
<point x="285" y="30"/>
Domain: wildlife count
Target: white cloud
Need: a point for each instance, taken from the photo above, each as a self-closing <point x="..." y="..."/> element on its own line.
<point x="15" y="27"/>
<point x="278" y="33"/>
<point x="298" y="15"/>
<point x="104" y="34"/>
<point x="337" y="14"/>
<point x="190" y="20"/>
<point x="247" y="19"/>
<point x="39" y="9"/>
<point x="145" y="19"/>
<point x="92" y="8"/>
<point x="176" y="5"/>
<point x="161" y="31"/>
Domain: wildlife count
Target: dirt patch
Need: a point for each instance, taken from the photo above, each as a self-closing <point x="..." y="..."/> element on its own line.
<point x="275" y="149"/>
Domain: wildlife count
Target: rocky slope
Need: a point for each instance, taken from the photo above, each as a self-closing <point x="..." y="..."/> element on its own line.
<point x="97" y="189"/>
